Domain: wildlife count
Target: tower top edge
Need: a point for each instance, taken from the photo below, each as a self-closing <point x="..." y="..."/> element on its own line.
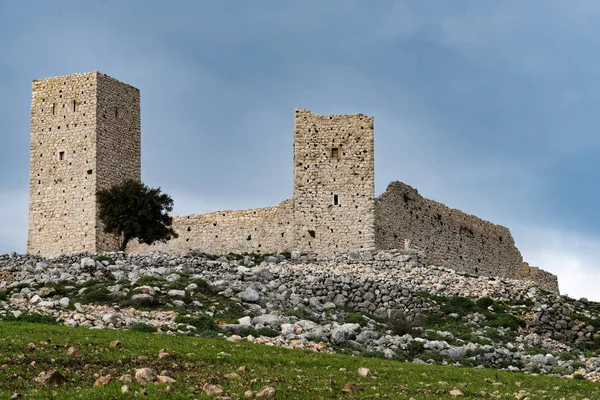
<point x="95" y="74"/>
<point x="298" y="111"/>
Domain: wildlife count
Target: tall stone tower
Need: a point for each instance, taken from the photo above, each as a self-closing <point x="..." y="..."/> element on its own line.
<point x="85" y="136"/>
<point x="334" y="182"/>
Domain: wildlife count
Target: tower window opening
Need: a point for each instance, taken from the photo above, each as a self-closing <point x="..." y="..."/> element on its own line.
<point x="53" y="108"/>
<point x="116" y="112"/>
<point x="74" y="105"/>
<point x="336" y="200"/>
<point x="61" y="156"/>
<point x="335" y="152"/>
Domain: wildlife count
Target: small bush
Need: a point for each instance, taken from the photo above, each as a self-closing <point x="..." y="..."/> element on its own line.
<point x="433" y="321"/>
<point x="202" y="323"/>
<point x="203" y="286"/>
<point x="506" y="321"/>
<point x="98" y="295"/>
<point x="459" y="305"/>
<point x="578" y="364"/>
<point x="414" y="348"/>
<point x="484" y="302"/>
<point x="33" y="318"/>
<point x="579" y="377"/>
<point x="149" y="281"/>
<point x="268" y="332"/>
<point x="400" y="326"/>
<point x="141" y="327"/>
<point x="355" y="318"/>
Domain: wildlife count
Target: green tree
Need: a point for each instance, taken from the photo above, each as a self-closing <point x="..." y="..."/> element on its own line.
<point x="133" y="210"/>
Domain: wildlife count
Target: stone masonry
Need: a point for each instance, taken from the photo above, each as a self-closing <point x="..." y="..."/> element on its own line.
<point x="85" y="136"/>
<point x="334" y="182"/>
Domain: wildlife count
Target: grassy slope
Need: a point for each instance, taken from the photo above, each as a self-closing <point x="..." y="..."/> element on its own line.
<point x="295" y="374"/>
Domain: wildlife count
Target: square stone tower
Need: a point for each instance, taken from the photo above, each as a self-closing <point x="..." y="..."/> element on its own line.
<point x="85" y="136"/>
<point x="334" y="183"/>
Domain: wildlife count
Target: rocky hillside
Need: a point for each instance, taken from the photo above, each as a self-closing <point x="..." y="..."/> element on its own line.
<point x="388" y="304"/>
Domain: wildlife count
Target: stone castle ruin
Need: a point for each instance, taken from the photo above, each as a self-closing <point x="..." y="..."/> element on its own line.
<point x="85" y="136"/>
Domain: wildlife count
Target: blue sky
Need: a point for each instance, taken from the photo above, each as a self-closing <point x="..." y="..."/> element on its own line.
<point x="490" y="107"/>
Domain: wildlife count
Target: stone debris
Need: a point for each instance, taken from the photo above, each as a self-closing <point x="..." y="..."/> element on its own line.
<point x="50" y="377"/>
<point x="266" y="393"/>
<point x="350" y="388"/>
<point x="212" y="390"/>
<point x="394" y="284"/>
<point x="145" y="375"/>
<point x="103" y="380"/>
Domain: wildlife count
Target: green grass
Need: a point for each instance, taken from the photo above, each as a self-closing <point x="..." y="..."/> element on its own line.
<point x="295" y="374"/>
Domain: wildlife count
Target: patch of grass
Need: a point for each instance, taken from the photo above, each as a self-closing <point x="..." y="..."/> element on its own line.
<point x="297" y="374"/>
<point x="415" y="348"/>
<point x="32" y="318"/>
<point x="302" y="313"/>
<point x="203" y="286"/>
<point x="97" y="295"/>
<point x="458" y="305"/>
<point x="202" y="323"/>
<point x="150" y="281"/>
<point x="505" y="321"/>
<point x="484" y="302"/>
<point x="355" y="318"/>
<point x="400" y="326"/>
<point x="268" y="332"/>
<point x="141" y="327"/>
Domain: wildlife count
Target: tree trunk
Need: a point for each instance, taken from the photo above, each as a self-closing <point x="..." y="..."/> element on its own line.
<point x="124" y="242"/>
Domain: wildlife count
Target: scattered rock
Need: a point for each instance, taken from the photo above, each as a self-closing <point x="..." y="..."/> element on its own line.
<point x="164" y="379"/>
<point x="350" y="388"/>
<point x="50" y="377"/>
<point x="73" y="352"/>
<point x="266" y="393"/>
<point x="232" y="375"/>
<point x="163" y="353"/>
<point x="212" y="390"/>
<point x="364" y="371"/>
<point x="103" y="380"/>
<point x="145" y="375"/>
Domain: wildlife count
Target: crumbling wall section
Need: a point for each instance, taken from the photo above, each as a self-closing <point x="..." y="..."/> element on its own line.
<point x="450" y="237"/>
<point x="543" y="279"/>
<point x="259" y="231"/>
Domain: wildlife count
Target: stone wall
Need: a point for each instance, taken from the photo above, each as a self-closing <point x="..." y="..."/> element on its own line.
<point x="261" y="230"/>
<point x="543" y="279"/>
<point x="74" y="151"/>
<point x="333" y="182"/>
<point x="450" y="237"/>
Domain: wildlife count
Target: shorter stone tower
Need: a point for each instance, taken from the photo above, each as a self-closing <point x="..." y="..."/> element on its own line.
<point x="85" y="136"/>
<point x="334" y="182"/>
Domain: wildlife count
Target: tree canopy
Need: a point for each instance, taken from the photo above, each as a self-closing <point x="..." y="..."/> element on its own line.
<point x="134" y="211"/>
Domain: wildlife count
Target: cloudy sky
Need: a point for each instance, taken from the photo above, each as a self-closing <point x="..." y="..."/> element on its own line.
<point x="490" y="107"/>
